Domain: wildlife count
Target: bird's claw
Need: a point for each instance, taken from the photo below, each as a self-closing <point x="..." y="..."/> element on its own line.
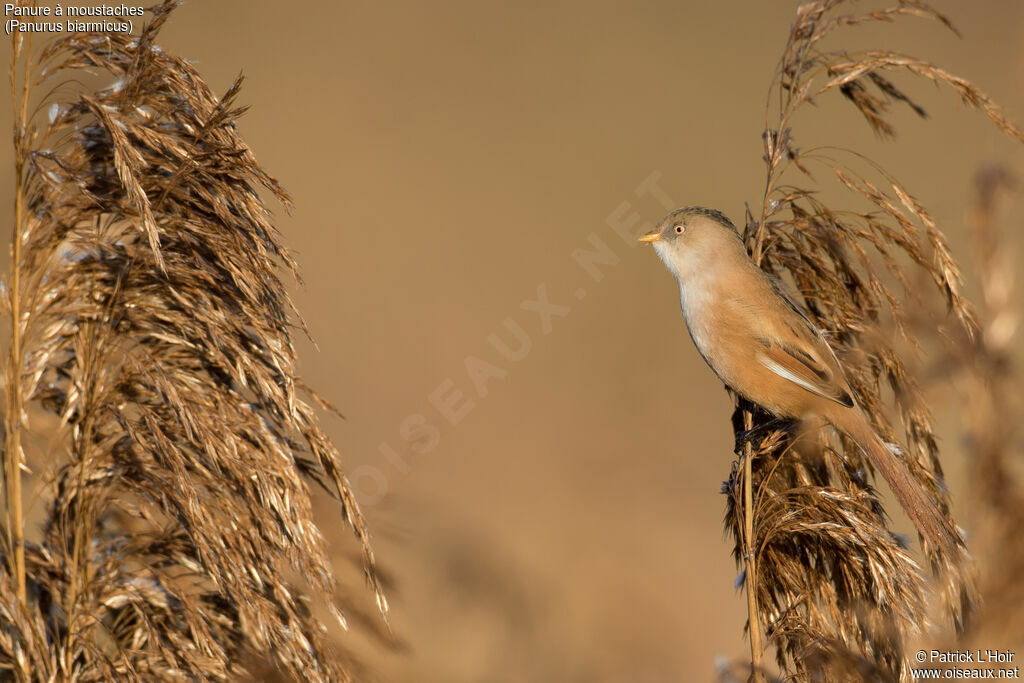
<point x="749" y="435"/>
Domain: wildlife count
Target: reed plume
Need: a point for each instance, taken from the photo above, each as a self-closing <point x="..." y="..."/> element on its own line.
<point x="149" y="315"/>
<point x="989" y="388"/>
<point x="837" y="592"/>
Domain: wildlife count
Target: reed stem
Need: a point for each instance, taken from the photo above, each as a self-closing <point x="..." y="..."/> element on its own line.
<point x="13" y="409"/>
<point x="753" y="615"/>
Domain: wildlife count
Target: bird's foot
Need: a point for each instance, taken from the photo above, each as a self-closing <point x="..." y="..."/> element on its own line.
<point x="760" y="431"/>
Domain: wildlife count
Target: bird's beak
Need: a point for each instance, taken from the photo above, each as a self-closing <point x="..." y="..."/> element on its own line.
<point x="652" y="236"/>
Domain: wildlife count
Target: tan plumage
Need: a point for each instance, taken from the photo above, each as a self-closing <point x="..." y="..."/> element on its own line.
<point x="762" y="346"/>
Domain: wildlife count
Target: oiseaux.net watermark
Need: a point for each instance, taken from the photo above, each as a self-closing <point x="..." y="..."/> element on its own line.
<point x="457" y="395"/>
<point x="980" y="664"/>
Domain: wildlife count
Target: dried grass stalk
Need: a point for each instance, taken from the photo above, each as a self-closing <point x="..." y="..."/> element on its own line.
<point x="837" y="591"/>
<point x="151" y="317"/>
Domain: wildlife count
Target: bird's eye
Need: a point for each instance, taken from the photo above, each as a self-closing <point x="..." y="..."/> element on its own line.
<point x="679" y="229"/>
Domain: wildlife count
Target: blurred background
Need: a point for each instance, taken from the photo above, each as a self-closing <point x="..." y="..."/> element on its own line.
<point x="537" y="446"/>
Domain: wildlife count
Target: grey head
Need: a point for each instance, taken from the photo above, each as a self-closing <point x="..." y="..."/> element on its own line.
<point x="691" y="239"/>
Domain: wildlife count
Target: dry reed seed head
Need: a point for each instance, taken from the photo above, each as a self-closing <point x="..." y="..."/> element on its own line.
<point x="154" y="317"/>
<point x="989" y="386"/>
<point x="830" y="571"/>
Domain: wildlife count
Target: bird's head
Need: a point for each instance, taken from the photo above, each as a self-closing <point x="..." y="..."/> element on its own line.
<point x="693" y="239"/>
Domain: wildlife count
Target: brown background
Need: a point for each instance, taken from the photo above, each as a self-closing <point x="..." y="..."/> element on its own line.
<point x="446" y="159"/>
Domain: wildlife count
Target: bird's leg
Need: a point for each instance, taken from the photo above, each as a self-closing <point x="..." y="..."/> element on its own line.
<point x="749" y="435"/>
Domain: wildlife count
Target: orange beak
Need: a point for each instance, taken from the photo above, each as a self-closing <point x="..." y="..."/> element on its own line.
<point x="652" y="236"/>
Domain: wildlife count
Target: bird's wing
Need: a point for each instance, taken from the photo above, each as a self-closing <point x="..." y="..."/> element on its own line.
<point x="799" y="353"/>
<point x="802" y="368"/>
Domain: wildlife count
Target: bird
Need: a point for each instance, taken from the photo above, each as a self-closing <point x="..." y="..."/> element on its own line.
<point x="763" y="346"/>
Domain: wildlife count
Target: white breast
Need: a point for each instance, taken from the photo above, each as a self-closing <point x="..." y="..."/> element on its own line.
<point x="695" y="302"/>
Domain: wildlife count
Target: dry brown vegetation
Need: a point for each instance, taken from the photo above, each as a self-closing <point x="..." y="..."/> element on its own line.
<point x="989" y="386"/>
<point x="151" y="319"/>
<point x="172" y="443"/>
<point x="837" y="593"/>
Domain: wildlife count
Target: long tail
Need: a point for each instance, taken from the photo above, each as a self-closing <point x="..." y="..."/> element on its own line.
<point x="920" y="506"/>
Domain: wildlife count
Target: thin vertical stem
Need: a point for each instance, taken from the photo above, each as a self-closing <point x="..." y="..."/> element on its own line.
<point x="13" y="409"/>
<point x="753" y="614"/>
<point x="12" y="451"/>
